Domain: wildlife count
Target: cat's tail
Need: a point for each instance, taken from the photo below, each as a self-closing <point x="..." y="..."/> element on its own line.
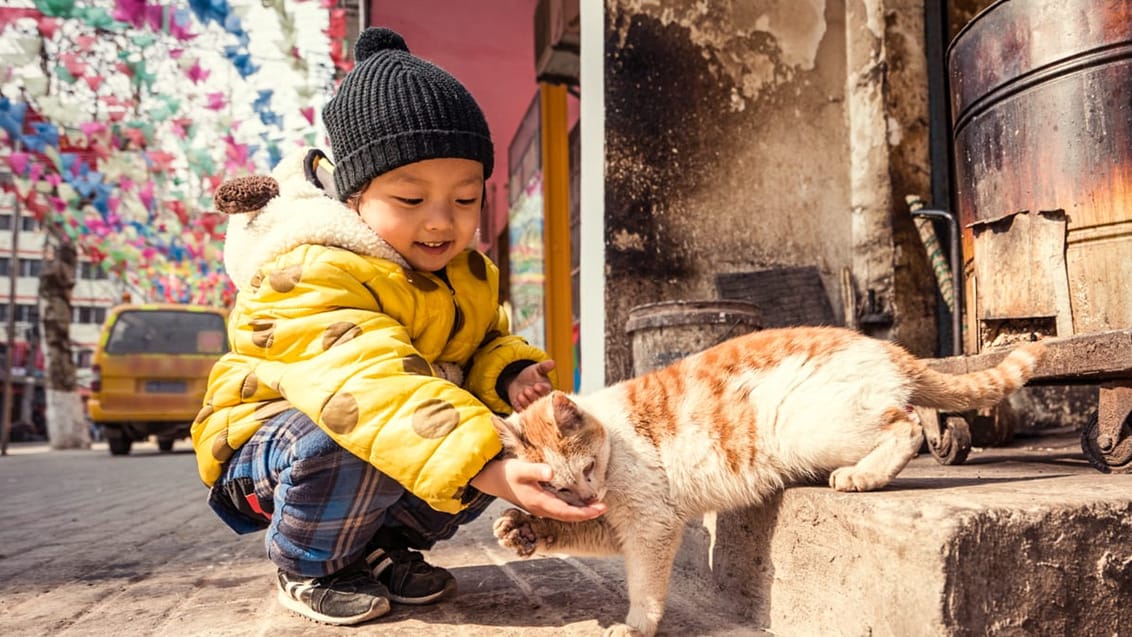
<point x="975" y="390"/>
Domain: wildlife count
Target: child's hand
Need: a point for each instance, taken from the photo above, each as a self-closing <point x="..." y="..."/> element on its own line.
<point x="518" y="482"/>
<point x="531" y="384"/>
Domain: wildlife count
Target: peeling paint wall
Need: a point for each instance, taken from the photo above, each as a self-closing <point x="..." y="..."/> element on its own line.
<point x="732" y="146"/>
<point x="907" y="115"/>
<point x="894" y="287"/>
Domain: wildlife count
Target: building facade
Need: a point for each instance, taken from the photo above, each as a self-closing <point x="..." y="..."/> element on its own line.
<point x="94" y="293"/>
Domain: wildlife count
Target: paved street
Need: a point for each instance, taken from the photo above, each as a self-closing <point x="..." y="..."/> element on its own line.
<point x="92" y="544"/>
<point x="97" y="545"/>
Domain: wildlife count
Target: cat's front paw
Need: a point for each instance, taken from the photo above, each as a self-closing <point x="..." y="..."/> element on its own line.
<point x="856" y="479"/>
<point x="518" y="531"/>
<point x="622" y="630"/>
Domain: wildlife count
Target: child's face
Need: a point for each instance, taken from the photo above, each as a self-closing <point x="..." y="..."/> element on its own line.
<point x="428" y="211"/>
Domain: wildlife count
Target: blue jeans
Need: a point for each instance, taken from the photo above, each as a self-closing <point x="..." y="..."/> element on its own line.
<point x="321" y="505"/>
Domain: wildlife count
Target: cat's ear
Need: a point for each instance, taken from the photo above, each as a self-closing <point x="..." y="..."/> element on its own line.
<point x="510" y="433"/>
<point x="567" y="414"/>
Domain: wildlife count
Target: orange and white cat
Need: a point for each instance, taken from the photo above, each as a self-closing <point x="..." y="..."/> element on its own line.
<point x="727" y="428"/>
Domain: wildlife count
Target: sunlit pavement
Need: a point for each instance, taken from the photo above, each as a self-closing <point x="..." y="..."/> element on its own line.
<point x="93" y="544"/>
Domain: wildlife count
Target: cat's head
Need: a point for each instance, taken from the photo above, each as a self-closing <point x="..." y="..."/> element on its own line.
<point x="554" y="430"/>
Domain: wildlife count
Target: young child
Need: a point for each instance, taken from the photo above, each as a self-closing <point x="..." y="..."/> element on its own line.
<point x="352" y="418"/>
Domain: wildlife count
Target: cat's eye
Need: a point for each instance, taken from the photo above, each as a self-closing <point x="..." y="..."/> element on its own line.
<point x="553" y="489"/>
<point x="588" y="472"/>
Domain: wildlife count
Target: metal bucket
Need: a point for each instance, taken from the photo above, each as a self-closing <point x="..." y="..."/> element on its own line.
<point x="663" y="333"/>
<point x="1042" y="113"/>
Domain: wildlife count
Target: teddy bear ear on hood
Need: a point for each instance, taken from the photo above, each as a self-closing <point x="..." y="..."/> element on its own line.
<point x="245" y="194"/>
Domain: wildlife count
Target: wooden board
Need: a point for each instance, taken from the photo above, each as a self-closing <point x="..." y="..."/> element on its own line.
<point x="1020" y="268"/>
<point x="1082" y="358"/>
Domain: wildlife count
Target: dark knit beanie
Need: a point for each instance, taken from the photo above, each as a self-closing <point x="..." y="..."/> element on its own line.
<point x="394" y="109"/>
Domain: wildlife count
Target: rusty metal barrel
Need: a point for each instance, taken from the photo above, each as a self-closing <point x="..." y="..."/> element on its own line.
<point x="1041" y="96"/>
<point x="663" y="333"/>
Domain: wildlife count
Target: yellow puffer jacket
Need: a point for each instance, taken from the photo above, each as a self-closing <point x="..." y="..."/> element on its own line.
<point x="330" y="320"/>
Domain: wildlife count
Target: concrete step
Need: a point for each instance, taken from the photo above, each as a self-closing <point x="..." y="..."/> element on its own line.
<point x="1019" y="540"/>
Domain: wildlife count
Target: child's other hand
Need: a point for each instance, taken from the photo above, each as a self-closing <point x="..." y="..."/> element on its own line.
<point x="518" y="482"/>
<point x="531" y="384"/>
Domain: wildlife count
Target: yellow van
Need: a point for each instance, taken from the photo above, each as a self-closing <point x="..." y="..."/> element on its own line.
<point x="150" y="370"/>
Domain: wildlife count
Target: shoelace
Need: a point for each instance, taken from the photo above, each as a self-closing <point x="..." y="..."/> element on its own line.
<point x="415" y="561"/>
<point x="351" y="580"/>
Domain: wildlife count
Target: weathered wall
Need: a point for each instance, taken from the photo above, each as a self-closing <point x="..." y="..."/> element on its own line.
<point x="888" y="73"/>
<point x="750" y="135"/>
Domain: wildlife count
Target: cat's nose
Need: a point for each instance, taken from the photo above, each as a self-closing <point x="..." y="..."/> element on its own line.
<point x="588" y="498"/>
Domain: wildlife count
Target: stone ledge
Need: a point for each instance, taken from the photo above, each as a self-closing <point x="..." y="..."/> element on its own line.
<point x="1026" y="540"/>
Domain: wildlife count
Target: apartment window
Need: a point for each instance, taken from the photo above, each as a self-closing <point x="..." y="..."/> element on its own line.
<point x="27" y="223"/>
<point x="30" y="267"/>
<point x="91" y="271"/>
<point x="89" y="315"/>
<point x="26" y="314"/>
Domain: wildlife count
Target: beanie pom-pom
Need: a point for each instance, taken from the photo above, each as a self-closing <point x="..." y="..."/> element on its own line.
<point x="376" y="39"/>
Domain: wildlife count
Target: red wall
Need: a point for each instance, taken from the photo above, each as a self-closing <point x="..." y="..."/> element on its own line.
<point x="486" y="44"/>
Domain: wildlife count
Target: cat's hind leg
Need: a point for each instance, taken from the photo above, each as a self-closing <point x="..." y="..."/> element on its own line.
<point x="898" y="441"/>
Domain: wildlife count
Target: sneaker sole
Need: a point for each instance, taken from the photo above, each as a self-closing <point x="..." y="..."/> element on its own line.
<point x="449" y="589"/>
<point x="380" y="607"/>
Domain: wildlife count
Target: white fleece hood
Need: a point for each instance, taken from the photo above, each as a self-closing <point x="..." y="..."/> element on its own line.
<point x="301" y="213"/>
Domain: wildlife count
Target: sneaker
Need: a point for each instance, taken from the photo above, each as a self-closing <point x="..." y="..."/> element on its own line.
<point x="409" y="578"/>
<point x="341" y="599"/>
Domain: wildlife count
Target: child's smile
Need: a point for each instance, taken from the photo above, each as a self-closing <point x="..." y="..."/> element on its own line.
<point x="433" y="252"/>
<point x="435" y="246"/>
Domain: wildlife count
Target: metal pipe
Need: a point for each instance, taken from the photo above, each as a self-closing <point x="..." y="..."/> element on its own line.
<point x="956" y="273"/>
<point x="939" y="100"/>
<point x="363" y="17"/>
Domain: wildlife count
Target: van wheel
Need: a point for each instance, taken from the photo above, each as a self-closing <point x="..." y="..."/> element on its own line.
<point x="119" y="442"/>
<point x="165" y="444"/>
